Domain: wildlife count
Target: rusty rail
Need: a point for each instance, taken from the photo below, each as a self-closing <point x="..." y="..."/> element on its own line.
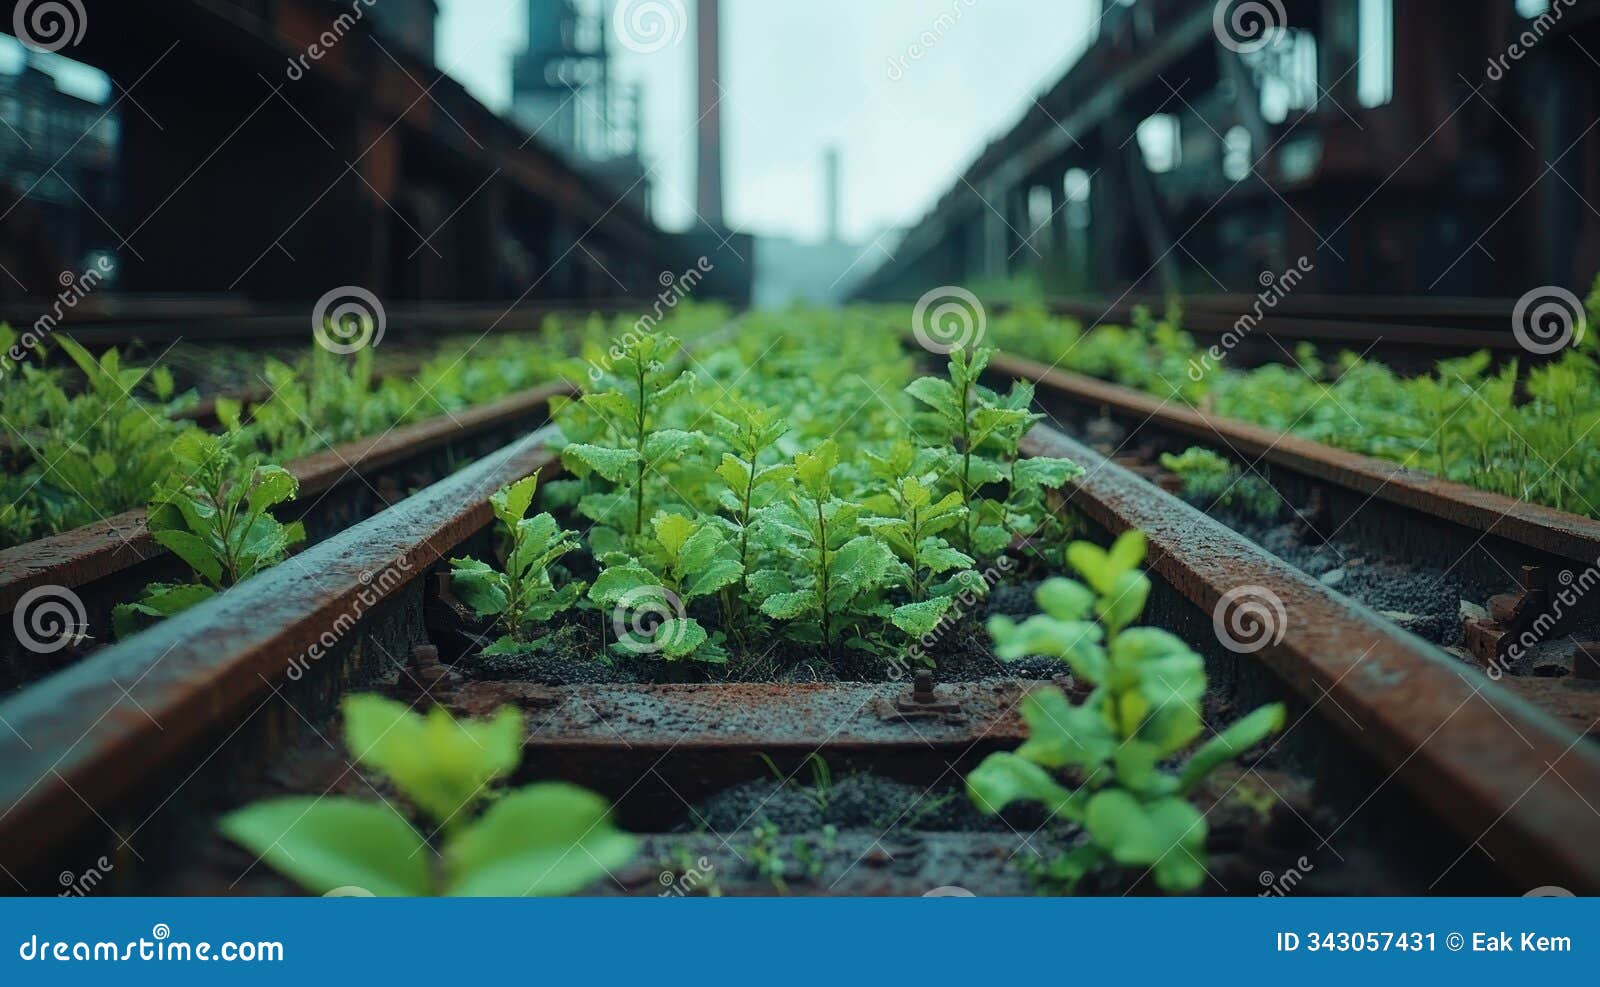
<point x="1498" y="770"/>
<point x="1533" y="526"/>
<point x="95" y="551"/>
<point x="90" y="733"/>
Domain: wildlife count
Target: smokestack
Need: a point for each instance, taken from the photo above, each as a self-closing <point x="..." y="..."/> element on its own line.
<point x="830" y="182"/>
<point x="709" y="184"/>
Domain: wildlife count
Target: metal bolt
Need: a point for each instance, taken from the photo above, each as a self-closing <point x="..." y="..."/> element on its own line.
<point x="1532" y="578"/>
<point x="922" y="687"/>
<point x="1586" y="661"/>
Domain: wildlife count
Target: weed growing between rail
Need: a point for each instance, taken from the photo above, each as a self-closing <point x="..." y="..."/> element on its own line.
<point x="842" y="526"/>
<point x="545" y="839"/>
<point x="1526" y="432"/>
<point x="1144" y="710"/>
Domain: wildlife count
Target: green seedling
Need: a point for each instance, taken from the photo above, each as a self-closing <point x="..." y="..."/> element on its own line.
<point x="215" y="515"/>
<point x="1210" y="479"/>
<point x="523" y="597"/>
<point x="1144" y="710"/>
<point x="544" y="839"/>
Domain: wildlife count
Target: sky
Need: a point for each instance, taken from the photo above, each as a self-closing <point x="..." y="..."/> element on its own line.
<point x="799" y="76"/>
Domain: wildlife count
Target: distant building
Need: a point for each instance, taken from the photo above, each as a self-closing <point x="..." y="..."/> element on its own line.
<point x="58" y="155"/>
<point x="563" y="93"/>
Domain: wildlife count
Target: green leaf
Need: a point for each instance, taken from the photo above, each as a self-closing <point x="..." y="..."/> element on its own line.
<point x="511" y="503"/>
<point x="193" y="550"/>
<point x="1125" y="602"/>
<point x="159" y="600"/>
<point x="788" y="606"/>
<point x="479" y="586"/>
<point x="616" y="465"/>
<point x="1076" y="642"/>
<point x="937" y="394"/>
<point x="1139" y="834"/>
<point x="546" y="839"/>
<point x="1065" y="599"/>
<point x="917" y="619"/>
<point x="713" y="577"/>
<point x="270" y="486"/>
<point x="1044" y="474"/>
<point x="1006" y="778"/>
<point x="618" y="581"/>
<point x="1239" y="737"/>
<point x="679" y="637"/>
<point x="1063" y="735"/>
<point x="442" y="764"/>
<point x="329" y="843"/>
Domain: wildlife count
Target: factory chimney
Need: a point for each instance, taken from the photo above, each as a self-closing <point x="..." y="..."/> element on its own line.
<point x="709" y="114"/>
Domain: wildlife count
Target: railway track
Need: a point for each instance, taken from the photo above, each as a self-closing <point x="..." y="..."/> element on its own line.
<point x="1394" y="753"/>
<point x="1408" y="333"/>
<point x="105" y="563"/>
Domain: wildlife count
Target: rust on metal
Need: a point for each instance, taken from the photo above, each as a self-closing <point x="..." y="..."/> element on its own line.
<point x="1544" y="529"/>
<point x="1500" y="771"/>
<point x="83" y="555"/>
<point x="90" y="733"/>
<point x="654" y="749"/>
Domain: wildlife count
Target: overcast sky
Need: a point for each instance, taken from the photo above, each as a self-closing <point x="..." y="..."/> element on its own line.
<point x="801" y="75"/>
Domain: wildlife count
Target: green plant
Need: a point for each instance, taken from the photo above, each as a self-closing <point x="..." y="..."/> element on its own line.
<point x="843" y="575"/>
<point x="523" y="596"/>
<point x="1144" y="710"/>
<point x="684" y="561"/>
<point x="912" y="523"/>
<point x="821" y="779"/>
<point x="544" y="839"/>
<point x="215" y="515"/>
<point x="750" y="432"/>
<point x="627" y="443"/>
<point x="975" y="434"/>
<point x="1212" y="480"/>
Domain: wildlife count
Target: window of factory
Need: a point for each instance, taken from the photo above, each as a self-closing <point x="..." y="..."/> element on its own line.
<point x="1160" y="138"/>
<point x="1077" y="199"/>
<point x="1286" y="73"/>
<point x="1375" y="69"/>
<point x="1041" y="210"/>
<point x="1236" y="154"/>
